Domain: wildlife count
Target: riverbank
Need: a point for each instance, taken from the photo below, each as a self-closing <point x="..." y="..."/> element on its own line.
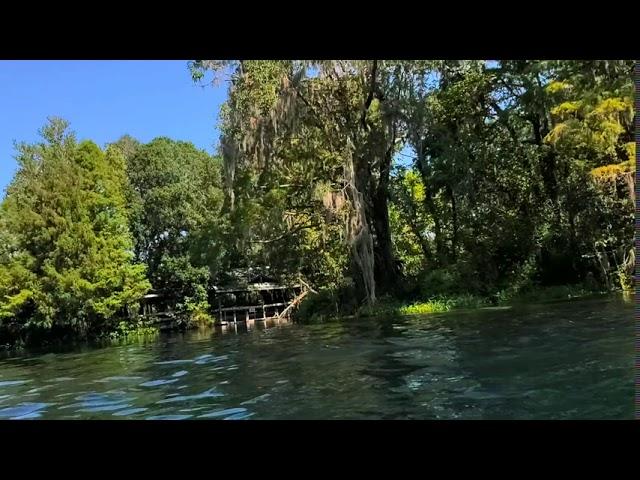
<point x="16" y="339"/>
<point x="441" y="304"/>
<point x="317" y="308"/>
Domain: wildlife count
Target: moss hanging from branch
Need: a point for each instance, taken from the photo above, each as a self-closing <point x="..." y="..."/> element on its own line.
<point x="358" y="232"/>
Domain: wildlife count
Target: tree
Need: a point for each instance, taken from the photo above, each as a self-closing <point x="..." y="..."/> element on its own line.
<point x="341" y="106"/>
<point x="175" y="198"/>
<point x="503" y="160"/>
<point x="68" y="266"/>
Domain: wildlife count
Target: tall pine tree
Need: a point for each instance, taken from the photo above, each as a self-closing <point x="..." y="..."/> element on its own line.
<point x="68" y="262"/>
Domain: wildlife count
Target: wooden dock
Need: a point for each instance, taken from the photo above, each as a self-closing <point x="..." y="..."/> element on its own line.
<point x="247" y="326"/>
<point x="251" y="297"/>
<point x="259" y="299"/>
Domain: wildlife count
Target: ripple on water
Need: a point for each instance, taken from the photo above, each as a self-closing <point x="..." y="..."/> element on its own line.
<point x="223" y="413"/>
<point x="28" y="416"/>
<point x="169" y="417"/>
<point x="117" y="379"/>
<point x="194" y="409"/>
<point x="106" y="408"/>
<point x="181" y="398"/>
<point x="97" y="402"/>
<point x="32" y="410"/>
<point x="173" y="362"/>
<point x="36" y="390"/>
<point x="523" y="367"/>
<point x="66" y="394"/>
<point x="481" y="394"/>
<point x="257" y="399"/>
<point x="204" y="359"/>
<point x="129" y="411"/>
<point x="8" y="383"/>
<point x="155" y="383"/>
<point x="239" y="416"/>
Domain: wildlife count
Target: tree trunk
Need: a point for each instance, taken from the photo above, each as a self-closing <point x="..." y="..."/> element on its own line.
<point x="437" y="229"/>
<point x="430" y="206"/>
<point x="454" y="215"/>
<point x="387" y="268"/>
<point x="359" y="230"/>
<point x="424" y="244"/>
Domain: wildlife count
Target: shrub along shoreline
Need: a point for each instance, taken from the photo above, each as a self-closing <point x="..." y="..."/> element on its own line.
<point x="443" y="304"/>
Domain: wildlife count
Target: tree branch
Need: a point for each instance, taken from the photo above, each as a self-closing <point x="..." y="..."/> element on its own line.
<point x="369" y="99"/>
<point x="285" y="234"/>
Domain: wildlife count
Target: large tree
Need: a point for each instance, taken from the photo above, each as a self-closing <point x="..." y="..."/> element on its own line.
<point x="345" y="116"/>
<point x="68" y="263"/>
<point x="503" y="149"/>
<point x="175" y="198"/>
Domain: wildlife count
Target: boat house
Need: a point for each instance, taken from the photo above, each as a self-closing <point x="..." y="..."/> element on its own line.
<point x="255" y="297"/>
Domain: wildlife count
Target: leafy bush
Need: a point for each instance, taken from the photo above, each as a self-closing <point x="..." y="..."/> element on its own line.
<point x="432" y="306"/>
<point x="133" y="328"/>
<point x="439" y="282"/>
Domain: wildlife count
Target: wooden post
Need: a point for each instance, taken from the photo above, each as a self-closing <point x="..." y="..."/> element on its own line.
<point x="234" y="317"/>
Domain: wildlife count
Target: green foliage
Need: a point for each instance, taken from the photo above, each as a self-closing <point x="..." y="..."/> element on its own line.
<point x="442" y="281"/>
<point x="443" y="303"/>
<point x="627" y="280"/>
<point x="409" y="222"/>
<point x="197" y="306"/>
<point x="423" y="308"/>
<point x="437" y="304"/>
<point x="128" y="329"/>
<point x="175" y="198"/>
<point x="428" y="185"/>
<point x="68" y="263"/>
<point x="339" y="300"/>
<point x="517" y="175"/>
<point x="544" y="294"/>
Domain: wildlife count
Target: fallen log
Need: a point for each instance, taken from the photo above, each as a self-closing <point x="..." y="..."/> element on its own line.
<point x="293" y="304"/>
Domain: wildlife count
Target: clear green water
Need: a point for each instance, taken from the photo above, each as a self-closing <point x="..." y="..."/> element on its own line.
<point x="572" y="360"/>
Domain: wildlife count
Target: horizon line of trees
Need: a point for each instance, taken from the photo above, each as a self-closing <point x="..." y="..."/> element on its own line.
<point x="369" y="179"/>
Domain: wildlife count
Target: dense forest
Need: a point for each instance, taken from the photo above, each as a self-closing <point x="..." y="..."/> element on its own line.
<point x="379" y="183"/>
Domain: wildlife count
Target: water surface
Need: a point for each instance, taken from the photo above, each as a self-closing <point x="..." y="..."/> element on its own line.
<point x="572" y="360"/>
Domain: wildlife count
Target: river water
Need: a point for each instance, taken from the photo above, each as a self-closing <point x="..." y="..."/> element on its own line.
<point x="570" y="360"/>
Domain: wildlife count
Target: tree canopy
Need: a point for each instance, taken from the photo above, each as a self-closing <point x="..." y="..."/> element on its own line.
<point x="367" y="179"/>
<point x="519" y="172"/>
<point x="68" y="262"/>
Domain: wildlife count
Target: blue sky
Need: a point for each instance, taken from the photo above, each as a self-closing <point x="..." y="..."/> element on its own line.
<point x="103" y="100"/>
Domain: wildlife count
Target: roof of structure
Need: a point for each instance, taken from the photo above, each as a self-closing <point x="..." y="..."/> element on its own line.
<point x="250" y="279"/>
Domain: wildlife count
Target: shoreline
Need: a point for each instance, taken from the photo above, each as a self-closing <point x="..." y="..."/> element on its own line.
<point x="382" y="310"/>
